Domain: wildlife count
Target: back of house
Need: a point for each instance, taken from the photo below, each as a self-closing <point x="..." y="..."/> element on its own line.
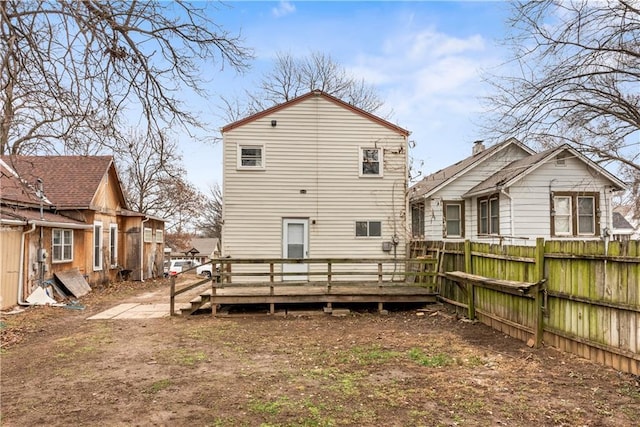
<point x="314" y="178"/>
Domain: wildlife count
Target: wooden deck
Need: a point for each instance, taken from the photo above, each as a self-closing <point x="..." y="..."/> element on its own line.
<point x="264" y="281"/>
<point x="213" y="298"/>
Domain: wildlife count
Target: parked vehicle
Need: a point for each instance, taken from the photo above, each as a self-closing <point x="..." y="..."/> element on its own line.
<point x="206" y="270"/>
<point x="179" y="265"/>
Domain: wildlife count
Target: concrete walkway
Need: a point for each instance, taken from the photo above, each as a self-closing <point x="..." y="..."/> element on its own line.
<point x="149" y="305"/>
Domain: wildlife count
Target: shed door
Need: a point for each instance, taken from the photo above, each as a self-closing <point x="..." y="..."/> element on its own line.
<point x="295" y="245"/>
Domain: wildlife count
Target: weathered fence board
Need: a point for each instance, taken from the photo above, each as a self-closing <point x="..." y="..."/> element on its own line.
<point x="592" y="304"/>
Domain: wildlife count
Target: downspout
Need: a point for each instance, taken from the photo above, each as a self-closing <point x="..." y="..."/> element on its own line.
<point x="142" y="248"/>
<point x="21" y="272"/>
<point x="511" y="221"/>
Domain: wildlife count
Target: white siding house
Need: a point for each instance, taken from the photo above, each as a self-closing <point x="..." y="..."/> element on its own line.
<point x="442" y="192"/>
<point x="555" y="194"/>
<point x="314" y="178"/>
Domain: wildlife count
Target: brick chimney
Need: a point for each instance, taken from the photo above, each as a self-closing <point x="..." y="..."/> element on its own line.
<point x="478" y="147"/>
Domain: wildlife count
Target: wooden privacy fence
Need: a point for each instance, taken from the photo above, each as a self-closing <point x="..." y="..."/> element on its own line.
<point x="587" y="299"/>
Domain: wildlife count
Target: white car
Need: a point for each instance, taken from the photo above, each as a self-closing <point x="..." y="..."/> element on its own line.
<point x="179" y="265"/>
<point x="205" y="270"/>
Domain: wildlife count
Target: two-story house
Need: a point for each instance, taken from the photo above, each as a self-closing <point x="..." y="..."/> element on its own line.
<point x="314" y="177"/>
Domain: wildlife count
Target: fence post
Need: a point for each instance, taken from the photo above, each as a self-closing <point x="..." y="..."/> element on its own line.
<point x="539" y="289"/>
<point x="172" y="300"/>
<point x="471" y="289"/>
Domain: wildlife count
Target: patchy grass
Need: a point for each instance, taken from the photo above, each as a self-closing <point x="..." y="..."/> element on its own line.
<point x="436" y="361"/>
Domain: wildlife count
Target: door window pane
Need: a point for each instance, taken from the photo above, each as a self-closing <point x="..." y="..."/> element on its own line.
<point x="295" y="241"/>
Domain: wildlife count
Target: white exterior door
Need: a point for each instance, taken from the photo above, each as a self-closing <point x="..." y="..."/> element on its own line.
<point x="295" y="245"/>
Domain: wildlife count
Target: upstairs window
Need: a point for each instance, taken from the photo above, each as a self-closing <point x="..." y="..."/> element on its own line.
<point x="368" y="229"/>
<point x="489" y="215"/>
<point x="371" y="162"/>
<point x="251" y="156"/>
<point x="62" y="245"/>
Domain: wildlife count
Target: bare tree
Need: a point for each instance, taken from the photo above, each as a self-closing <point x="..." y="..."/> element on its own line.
<point x="578" y="76"/>
<point x="210" y="221"/>
<point x="72" y="73"/>
<point x="154" y="181"/>
<point x="291" y="77"/>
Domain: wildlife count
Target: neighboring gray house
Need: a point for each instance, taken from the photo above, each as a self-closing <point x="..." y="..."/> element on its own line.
<point x="314" y="177"/>
<point x="622" y="229"/>
<point x="202" y="249"/>
<point x="509" y="193"/>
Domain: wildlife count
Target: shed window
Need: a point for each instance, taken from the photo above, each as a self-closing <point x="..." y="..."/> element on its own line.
<point x="148" y="235"/>
<point x="371" y="162"/>
<point x="368" y="229"/>
<point x="251" y="156"/>
<point x="97" y="246"/>
<point x="113" y="245"/>
<point x="62" y="245"/>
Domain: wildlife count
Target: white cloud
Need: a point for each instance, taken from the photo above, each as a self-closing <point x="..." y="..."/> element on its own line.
<point x="284" y="8"/>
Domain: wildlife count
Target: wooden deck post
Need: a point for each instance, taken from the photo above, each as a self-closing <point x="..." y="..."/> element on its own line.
<point x="172" y="301"/>
<point x="214" y="306"/>
<point x="539" y="292"/>
<point x="379" y="274"/>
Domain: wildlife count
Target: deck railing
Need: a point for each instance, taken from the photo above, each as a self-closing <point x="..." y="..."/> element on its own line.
<point x="381" y="271"/>
<point x="326" y="271"/>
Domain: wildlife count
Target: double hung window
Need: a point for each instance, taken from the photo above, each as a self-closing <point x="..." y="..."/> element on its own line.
<point x="489" y="215"/>
<point x="62" y="245"/>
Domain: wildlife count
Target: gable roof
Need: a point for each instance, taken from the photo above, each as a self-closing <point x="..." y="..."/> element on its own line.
<point x="620" y="223"/>
<point x="70" y="182"/>
<point x="518" y="169"/>
<point x="431" y="183"/>
<point x="315" y="93"/>
<point x="15" y="190"/>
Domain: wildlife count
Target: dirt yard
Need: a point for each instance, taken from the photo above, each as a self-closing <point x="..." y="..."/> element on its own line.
<point x="364" y="369"/>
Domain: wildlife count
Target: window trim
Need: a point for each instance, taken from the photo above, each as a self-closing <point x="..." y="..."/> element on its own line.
<point x="487" y="200"/>
<point x="62" y="245"/>
<point x="263" y="157"/>
<point x="113" y="245"/>
<point x="98" y="250"/>
<point x="574" y="219"/>
<point x="147" y="235"/>
<point x="159" y="236"/>
<point x="380" y="173"/>
<point x="460" y="204"/>
<point x="368" y="235"/>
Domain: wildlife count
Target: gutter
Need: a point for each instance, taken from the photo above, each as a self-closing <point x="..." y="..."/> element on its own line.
<point x="21" y="272"/>
<point x="511" y="219"/>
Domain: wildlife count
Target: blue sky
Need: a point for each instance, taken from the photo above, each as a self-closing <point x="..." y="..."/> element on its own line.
<point x="424" y="58"/>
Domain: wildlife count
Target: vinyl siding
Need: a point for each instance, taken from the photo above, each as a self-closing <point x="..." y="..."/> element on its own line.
<point x="532" y="208"/>
<point x="455" y="189"/>
<point x="314" y="147"/>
